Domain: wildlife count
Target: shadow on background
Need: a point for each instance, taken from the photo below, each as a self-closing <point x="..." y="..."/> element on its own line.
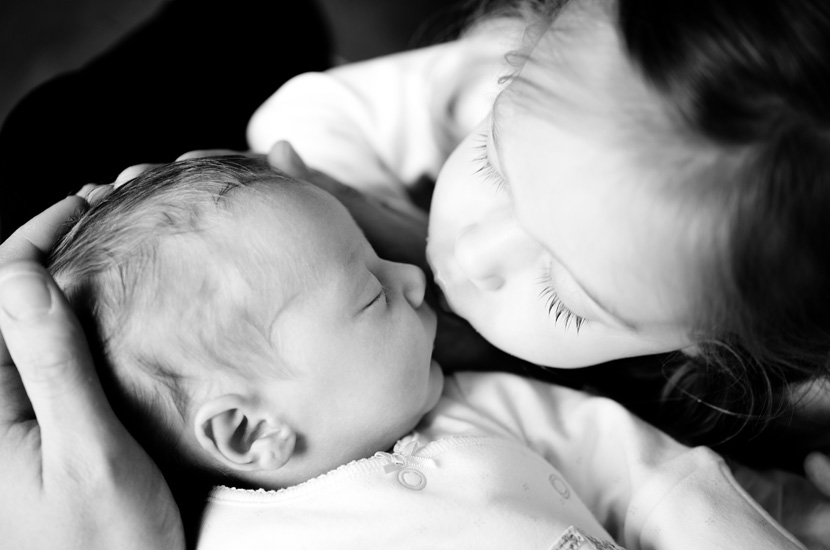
<point x="189" y="78"/>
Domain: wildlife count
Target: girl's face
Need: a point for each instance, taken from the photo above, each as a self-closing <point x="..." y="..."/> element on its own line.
<point x="556" y="246"/>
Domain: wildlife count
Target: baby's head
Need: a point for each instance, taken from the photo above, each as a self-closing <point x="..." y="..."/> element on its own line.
<point x="244" y="323"/>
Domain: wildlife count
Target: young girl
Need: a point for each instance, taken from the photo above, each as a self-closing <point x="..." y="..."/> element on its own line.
<point x="640" y="177"/>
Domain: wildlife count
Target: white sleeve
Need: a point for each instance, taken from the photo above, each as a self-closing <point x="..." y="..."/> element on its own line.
<point x="384" y="124"/>
<point x="648" y="490"/>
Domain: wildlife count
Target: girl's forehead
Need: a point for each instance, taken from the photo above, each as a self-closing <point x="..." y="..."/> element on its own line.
<point x="603" y="206"/>
<point x="579" y="77"/>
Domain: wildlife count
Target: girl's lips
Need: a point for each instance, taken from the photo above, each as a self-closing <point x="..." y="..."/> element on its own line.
<point x="442" y="302"/>
<point x="442" y="283"/>
<point x="446" y="275"/>
<point x="439" y="262"/>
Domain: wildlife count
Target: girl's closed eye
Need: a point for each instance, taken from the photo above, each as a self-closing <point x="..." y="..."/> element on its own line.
<point x="485" y="167"/>
<point x="554" y="305"/>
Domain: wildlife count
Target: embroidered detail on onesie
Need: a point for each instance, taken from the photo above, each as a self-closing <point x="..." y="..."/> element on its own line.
<point x="403" y="462"/>
<point x="559" y="486"/>
<point x="576" y="539"/>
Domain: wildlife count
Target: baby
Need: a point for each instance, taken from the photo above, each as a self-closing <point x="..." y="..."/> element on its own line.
<point x="247" y="328"/>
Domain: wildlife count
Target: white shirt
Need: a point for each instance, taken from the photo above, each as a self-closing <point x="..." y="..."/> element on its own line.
<point x="507" y="462"/>
<point x="383" y="124"/>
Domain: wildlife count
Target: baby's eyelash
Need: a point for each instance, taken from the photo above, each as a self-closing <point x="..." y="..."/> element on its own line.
<point x="555" y="306"/>
<point x="382" y="295"/>
<point x="485" y="169"/>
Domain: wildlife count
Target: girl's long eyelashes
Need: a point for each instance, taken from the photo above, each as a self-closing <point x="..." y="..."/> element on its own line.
<point x="554" y="305"/>
<point x="485" y="168"/>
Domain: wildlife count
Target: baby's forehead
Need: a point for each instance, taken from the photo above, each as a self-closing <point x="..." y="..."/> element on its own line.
<point x="275" y="197"/>
<point x="297" y="229"/>
<point x="274" y="252"/>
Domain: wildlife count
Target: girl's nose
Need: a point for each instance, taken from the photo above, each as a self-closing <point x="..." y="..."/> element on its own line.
<point x="488" y="250"/>
<point x="413" y="283"/>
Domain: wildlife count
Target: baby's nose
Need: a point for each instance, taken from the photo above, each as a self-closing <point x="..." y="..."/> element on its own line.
<point x="414" y="283"/>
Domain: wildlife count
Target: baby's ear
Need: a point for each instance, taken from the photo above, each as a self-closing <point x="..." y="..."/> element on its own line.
<point x="236" y="432"/>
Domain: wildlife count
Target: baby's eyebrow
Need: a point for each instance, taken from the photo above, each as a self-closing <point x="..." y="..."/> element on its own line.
<point x="354" y="255"/>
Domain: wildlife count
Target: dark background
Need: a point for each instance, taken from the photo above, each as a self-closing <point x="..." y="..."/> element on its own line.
<point x="89" y="87"/>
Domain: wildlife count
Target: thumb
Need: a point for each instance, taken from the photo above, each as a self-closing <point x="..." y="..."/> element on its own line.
<point x="817" y="468"/>
<point x="48" y="347"/>
<point x="34" y="239"/>
<point x="283" y="157"/>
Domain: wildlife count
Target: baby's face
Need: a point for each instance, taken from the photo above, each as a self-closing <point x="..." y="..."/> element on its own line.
<point x="353" y="331"/>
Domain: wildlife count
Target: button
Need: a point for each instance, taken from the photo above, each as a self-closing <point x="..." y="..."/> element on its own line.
<point x="412" y="479"/>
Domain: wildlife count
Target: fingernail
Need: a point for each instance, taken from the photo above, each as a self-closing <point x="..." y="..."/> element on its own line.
<point x="85" y="190"/>
<point x="25" y="296"/>
<point x="98" y="194"/>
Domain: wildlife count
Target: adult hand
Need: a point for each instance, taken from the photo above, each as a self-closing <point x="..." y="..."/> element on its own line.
<point x="72" y="476"/>
<point x="792" y="500"/>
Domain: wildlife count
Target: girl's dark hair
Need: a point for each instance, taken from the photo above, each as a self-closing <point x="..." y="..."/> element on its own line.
<point x="752" y="76"/>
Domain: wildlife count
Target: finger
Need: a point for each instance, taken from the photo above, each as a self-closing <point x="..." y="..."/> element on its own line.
<point x="94" y="193"/>
<point x="14" y="405"/>
<point x="817" y="468"/>
<point x="208" y="153"/>
<point x="34" y="239"/>
<point x="49" y="349"/>
<point x="283" y="157"/>
<point x="131" y="173"/>
<point x="99" y="193"/>
<point x="86" y="190"/>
